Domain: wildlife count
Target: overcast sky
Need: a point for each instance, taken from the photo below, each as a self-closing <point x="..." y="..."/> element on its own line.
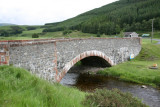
<point x="39" y="12"/>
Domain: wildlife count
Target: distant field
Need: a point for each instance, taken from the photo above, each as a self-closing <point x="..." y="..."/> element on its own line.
<point x="30" y="32"/>
<point x="8" y="27"/>
<point x="27" y="34"/>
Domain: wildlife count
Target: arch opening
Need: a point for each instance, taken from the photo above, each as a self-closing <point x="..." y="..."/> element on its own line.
<point x="95" y="61"/>
<point x="91" y="64"/>
<point x="89" y="58"/>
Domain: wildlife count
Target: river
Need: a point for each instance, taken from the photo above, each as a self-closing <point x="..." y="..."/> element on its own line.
<point x="85" y="82"/>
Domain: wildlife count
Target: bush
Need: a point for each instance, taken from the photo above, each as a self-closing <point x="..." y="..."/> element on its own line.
<point x="98" y="34"/>
<point x="112" y="98"/>
<point x="16" y="30"/>
<point x="4" y="33"/>
<point x="67" y="32"/>
<point x="64" y="32"/>
<point x="31" y="27"/>
<point x="35" y="35"/>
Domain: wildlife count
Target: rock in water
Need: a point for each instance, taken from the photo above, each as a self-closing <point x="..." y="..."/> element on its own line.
<point x="143" y="86"/>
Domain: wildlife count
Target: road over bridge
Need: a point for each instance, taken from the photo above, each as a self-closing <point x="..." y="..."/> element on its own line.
<point x="51" y="59"/>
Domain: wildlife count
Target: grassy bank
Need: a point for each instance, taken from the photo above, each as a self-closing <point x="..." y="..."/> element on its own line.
<point x="137" y="70"/>
<point x="18" y="88"/>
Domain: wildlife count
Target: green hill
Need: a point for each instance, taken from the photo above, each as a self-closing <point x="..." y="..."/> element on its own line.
<point x="126" y="15"/>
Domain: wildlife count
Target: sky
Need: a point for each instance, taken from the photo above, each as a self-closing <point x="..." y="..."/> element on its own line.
<point x="39" y="12"/>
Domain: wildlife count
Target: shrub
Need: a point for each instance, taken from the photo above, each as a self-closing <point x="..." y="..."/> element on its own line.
<point x="112" y="98"/>
<point x="4" y="33"/>
<point x="31" y="27"/>
<point x="16" y="30"/>
<point x="67" y="32"/>
<point x="35" y="35"/>
<point x="98" y="34"/>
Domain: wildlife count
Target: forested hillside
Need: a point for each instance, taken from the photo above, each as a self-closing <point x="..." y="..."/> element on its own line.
<point x="12" y="30"/>
<point x="126" y="15"/>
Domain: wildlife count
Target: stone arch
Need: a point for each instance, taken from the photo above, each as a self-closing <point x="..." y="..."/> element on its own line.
<point x="80" y="57"/>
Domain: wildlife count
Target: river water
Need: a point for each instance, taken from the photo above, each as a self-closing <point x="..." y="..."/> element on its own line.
<point x="85" y="82"/>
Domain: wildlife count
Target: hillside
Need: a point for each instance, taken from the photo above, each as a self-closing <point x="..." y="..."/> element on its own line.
<point x="6" y="24"/>
<point x="126" y="15"/>
<point x="15" y="30"/>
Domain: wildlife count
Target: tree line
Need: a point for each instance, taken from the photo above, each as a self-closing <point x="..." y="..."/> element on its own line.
<point x="12" y="31"/>
<point x="123" y="15"/>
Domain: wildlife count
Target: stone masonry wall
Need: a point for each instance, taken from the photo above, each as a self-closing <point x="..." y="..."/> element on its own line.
<point x="50" y="59"/>
<point x="116" y="49"/>
<point x="36" y="56"/>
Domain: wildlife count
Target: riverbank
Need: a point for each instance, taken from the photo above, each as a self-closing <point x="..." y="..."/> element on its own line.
<point x="18" y="88"/>
<point x="138" y="70"/>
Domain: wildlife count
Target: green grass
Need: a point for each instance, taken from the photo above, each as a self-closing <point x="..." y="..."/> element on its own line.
<point x="137" y="70"/>
<point x="18" y="88"/>
<point x="27" y="35"/>
<point x="74" y="34"/>
<point x="147" y="41"/>
<point x="9" y="27"/>
<point x="30" y="32"/>
<point x="156" y="34"/>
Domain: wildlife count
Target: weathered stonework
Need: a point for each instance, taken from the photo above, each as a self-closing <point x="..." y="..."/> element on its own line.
<point x="51" y="59"/>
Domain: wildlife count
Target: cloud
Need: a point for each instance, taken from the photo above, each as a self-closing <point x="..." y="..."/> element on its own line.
<point x="38" y="12"/>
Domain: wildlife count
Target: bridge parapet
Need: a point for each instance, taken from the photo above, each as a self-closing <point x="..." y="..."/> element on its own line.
<point x="52" y="58"/>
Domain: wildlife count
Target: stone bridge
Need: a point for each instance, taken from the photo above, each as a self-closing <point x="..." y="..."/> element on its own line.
<point x="51" y="59"/>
